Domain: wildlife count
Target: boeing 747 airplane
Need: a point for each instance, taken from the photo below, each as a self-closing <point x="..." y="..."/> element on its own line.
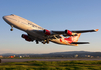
<point x="39" y="34"/>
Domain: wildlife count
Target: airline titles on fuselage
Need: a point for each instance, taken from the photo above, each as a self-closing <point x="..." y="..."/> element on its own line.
<point x="26" y="23"/>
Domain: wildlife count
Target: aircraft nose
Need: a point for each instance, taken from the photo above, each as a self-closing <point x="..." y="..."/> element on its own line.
<point x="5" y="18"/>
<point x="8" y="19"/>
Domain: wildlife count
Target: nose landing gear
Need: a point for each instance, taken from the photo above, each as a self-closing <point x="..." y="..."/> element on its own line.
<point x="11" y="28"/>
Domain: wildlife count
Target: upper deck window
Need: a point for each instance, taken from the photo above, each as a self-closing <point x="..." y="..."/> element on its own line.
<point x="12" y="14"/>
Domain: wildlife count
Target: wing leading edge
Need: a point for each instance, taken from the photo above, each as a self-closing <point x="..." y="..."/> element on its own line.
<point x="84" y="31"/>
<point x="78" y="31"/>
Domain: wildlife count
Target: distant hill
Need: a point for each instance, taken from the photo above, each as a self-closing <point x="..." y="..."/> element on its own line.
<point x="59" y="54"/>
<point x="70" y="52"/>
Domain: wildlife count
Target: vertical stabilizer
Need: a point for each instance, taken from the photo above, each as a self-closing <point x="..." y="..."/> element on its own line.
<point x="75" y="38"/>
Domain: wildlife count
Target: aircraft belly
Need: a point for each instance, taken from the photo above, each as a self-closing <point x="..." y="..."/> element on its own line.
<point x="29" y="30"/>
<point x="35" y="35"/>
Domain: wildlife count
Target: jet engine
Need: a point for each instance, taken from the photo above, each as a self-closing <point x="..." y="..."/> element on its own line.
<point x="26" y="37"/>
<point x="47" y="32"/>
<point x="68" y="32"/>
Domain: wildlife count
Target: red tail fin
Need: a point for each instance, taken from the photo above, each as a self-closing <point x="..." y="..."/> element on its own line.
<point x="74" y="38"/>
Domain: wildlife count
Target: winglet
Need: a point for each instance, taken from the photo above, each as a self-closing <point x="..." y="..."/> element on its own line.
<point x="96" y="30"/>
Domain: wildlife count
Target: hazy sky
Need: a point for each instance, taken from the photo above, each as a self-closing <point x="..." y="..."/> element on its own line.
<point x="52" y="15"/>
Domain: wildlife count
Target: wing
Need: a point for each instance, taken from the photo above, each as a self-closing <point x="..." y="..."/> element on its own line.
<point x="78" y="31"/>
<point x="45" y="34"/>
<point x="73" y="33"/>
<point x="84" y="31"/>
<point x="56" y="34"/>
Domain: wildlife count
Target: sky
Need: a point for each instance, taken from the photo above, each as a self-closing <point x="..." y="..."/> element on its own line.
<point x="51" y="15"/>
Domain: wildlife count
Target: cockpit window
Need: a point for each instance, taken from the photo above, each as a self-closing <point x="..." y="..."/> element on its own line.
<point x="12" y="14"/>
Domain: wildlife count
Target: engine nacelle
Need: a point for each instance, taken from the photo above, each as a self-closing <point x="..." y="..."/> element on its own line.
<point x="68" y="32"/>
<point x="47" y="32"/>
<point x="26" y="37"/>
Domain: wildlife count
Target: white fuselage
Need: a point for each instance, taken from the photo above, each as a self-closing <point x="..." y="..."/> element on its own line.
<point x="28" y="27"/>
<point x="23" y="24"/>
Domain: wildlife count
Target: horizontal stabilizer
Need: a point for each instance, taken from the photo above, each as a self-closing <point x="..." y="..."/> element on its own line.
<point x="80" y="43"/>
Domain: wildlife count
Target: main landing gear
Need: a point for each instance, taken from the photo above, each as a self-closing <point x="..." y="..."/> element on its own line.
<point x="37" y="42"/>
<point x="11" y="28"/>
<point x="46" y="41"/>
